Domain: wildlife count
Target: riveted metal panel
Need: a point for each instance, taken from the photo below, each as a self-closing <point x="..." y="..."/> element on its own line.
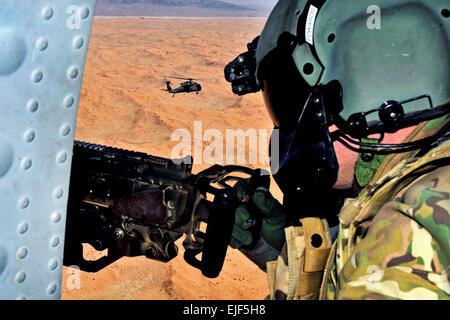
<point x="43" y="47"/>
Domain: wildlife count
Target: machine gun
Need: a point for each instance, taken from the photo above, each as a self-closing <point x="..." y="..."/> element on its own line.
<point x="135" y="204"/>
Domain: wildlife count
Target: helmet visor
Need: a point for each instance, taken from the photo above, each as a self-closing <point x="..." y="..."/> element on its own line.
<point x="284" y="89"/>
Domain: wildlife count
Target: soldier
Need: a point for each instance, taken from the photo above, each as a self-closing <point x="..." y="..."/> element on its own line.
<point x="357" y="91"/>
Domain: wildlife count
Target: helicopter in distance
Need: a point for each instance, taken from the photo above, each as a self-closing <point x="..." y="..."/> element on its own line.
<point x="185" y="87"/>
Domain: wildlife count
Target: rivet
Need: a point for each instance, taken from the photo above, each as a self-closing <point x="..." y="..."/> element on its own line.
<point x="51" y="289"/>
<point x="42" y="44"/>
<point x="20" y="276"/>
<point x="55" y="217"/>
<point x="22" y="227"/>
<point x="33" y="106"/>
<point x="37" y="76"/>
<point x="72" y="73"/>
<point x="47" y="13"/>
<point x="26" y="164"/>
<point x="54" y="241"/>
<point x="61" y="157"/>
<point x="29" y="136"/>
<point x="23" y="203"/>
<point x="52" y="264"/>
<point x="65" y="130"/>
<point x="58" y="193"/>
<point x="13" y="50"/>
<point x="84" y="12"/>
<point x="319" y="115"/>
<point x="78" y="42"/>
<point x="69" y="101"/>
<point x="6" y="157"/>
<point x="21" y="253"/>
<point x="3" y="258"/>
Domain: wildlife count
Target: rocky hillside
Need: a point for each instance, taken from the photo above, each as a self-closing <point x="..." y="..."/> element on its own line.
<point x="181" y="8"/>
<point x="185" y="3"/>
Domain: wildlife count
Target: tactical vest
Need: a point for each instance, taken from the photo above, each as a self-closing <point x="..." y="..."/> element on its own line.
<point x="303" y="269"/>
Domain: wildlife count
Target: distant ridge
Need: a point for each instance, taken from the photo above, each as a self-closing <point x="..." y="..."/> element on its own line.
<point x="180" y="8"/>
<point x="216" y="4"/>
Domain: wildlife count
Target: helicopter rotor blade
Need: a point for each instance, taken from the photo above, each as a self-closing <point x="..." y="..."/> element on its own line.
<point x="189" y="79"/>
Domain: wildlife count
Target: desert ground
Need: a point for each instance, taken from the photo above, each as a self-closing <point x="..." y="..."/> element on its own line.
<point x="122" y="105"/>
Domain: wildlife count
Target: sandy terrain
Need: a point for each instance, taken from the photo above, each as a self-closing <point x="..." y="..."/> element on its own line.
<point x="122" y="105"/>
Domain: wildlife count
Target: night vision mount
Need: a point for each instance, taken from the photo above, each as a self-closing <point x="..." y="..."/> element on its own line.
<point x="241" y="72"/>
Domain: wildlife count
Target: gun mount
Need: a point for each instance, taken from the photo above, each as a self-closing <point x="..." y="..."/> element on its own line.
<point x="134" y="204"/>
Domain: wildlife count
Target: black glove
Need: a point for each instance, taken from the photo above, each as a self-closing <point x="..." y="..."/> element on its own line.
<point x="259" y="225"/>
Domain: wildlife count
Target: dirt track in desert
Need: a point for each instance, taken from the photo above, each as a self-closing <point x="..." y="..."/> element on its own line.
<point x="122" y="105"/>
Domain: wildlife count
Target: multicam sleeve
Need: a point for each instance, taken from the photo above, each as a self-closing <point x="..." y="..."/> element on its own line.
<point x="404" y="252"/>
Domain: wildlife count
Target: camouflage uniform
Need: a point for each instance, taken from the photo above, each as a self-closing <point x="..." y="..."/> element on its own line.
<point x="393" y="240"/>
